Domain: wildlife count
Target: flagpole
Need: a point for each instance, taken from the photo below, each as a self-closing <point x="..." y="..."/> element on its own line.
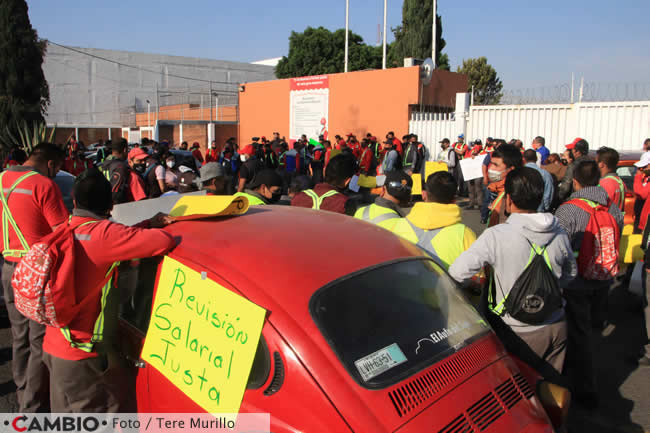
<point x="347" y="30"/>
<point x="435" y="33"/>
<point x="383" y="63"/>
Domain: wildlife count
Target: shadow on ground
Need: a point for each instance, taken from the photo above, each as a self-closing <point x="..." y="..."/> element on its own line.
<point x="615" y="362"/>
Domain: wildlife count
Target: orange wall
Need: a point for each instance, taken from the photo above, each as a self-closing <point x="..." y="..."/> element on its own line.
<point x="360" y="102"/>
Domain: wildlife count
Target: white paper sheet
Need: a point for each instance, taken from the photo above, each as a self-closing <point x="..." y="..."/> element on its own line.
<point x="472" y="167"/>
<point x="354" y="183"/>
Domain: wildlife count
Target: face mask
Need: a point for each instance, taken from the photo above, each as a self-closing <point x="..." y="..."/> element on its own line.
<point x="170" y="164"/>
<point x="140" y="168"/>
<point x="243" y="158"/>
<point x="275" y="197"/>
<point x="494" y="175"/>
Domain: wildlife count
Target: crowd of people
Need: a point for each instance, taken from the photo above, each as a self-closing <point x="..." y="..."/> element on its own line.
<point x="543" y="267"/>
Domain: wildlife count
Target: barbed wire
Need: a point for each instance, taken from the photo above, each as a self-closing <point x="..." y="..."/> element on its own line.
<point x="591" y="92"/>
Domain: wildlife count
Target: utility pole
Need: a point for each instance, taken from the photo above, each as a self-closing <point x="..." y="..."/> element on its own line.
<point x="435" y="34"/>
<point x="383" y="62"/>
<point x="347" y="30"/>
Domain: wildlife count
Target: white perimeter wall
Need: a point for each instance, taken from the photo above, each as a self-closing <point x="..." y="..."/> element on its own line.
<point x="621" y="125"/>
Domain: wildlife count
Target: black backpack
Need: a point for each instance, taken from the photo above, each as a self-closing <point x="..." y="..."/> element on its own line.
<point x="536" y="293"/>
<point x="118" y="173"/>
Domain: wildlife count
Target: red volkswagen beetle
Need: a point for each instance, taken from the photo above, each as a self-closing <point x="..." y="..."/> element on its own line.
<point x="364" y="332"/>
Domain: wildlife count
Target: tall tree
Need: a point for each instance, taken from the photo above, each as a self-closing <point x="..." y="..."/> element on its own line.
<point x="414" y="37"/>
<point x="24" y="93"/>
<point x="320" y="51"/>
<point x="484" y="78"/>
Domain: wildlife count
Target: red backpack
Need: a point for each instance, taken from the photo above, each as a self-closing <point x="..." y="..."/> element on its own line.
<point x="598" y="256"/>
<point x="43" y="281"/>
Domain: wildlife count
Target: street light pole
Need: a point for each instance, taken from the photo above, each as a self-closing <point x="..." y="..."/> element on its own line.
<point x="383" y="63"/>
<point x="149" y="114"/>
<point x="347" y="30"/>
<point x="435" y="33"/>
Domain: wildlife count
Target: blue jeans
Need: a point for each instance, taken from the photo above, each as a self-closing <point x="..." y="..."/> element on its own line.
<point x="487" y="201"/>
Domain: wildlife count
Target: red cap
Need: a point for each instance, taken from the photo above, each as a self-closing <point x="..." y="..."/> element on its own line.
<point x="263" y="138"/>
<point x="136" y="153"/>
<point x="373" y="138"/>
<point x="350" y="135"/>
<point x="573" y="143"/>
<point x="196" y="144"/>
<point x="248" y="150"/>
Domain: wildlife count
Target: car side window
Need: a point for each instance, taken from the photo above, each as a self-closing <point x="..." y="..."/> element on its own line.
<point x="627" y="174"/>
<point x="136" y="282"/>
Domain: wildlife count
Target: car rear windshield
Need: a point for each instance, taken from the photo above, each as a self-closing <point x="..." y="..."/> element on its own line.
<point x="392" y="321"/>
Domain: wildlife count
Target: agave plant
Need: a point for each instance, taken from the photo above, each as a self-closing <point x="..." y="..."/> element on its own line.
<point x="27" y="137"/>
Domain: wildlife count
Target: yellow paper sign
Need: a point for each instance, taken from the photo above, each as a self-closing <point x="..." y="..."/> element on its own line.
<point x="209" y="205"/>
<point x="630" y="248"/>
<point x="417" y="184"/>
<point x="434" y="167"/>
<point x="202" y="337"/>
<point x="367" y="181"/>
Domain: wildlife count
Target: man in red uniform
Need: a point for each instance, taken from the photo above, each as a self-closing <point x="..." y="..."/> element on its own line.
<point x="212" y="154"/>
<point x="75" y="165"/>
<point x="607" y="161"/>
<point x="329" y="195"/>
<point x="82" y="378"/>
<point x="642" y="188"/>
<point x="196" y="152"/>
<point x="31" y="207"/>
<point x="366" y="159"/>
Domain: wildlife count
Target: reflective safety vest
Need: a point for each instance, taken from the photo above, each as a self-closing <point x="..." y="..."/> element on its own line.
<point x="252" y="200"/>
<point x="98" y="329"/>
<point x="621" y="187"/>
<point x="318" y="200"/>
<point x="7" y="218"/>
<point x="498" y="308"/>
<point x="496" y="203"/>
<point x="444" y="244"/>
<point x="378" y="215"/>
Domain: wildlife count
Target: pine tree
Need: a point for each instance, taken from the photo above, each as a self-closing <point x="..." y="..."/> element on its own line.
<point x="413" y="37"/>
<point x="483" y="77"/>
<point x="24" y="93"/>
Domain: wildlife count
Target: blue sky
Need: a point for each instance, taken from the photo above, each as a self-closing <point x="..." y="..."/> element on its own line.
<point x="529" y="46"/>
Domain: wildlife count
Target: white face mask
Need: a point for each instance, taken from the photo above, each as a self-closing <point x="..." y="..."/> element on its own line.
<point x="243" y="158"/>
<point x="494" y="175"/>
<point x="170" y="164"/>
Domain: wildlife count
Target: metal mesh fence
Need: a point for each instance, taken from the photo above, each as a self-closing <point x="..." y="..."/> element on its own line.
<point x="588" y="92"/>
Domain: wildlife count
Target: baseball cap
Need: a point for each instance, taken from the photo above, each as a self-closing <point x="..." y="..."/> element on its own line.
<point x="645" y="160"/>
<point x="248" y="150"/>
<point x="444" y="140"/>
<point x="572" y="145"/>
<point x="398" y="184"/>
<point x="461" y="136"/>
<point x="195" y="144"/>
<point x="210" y="171"/>
<point x="137" y="153"/>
